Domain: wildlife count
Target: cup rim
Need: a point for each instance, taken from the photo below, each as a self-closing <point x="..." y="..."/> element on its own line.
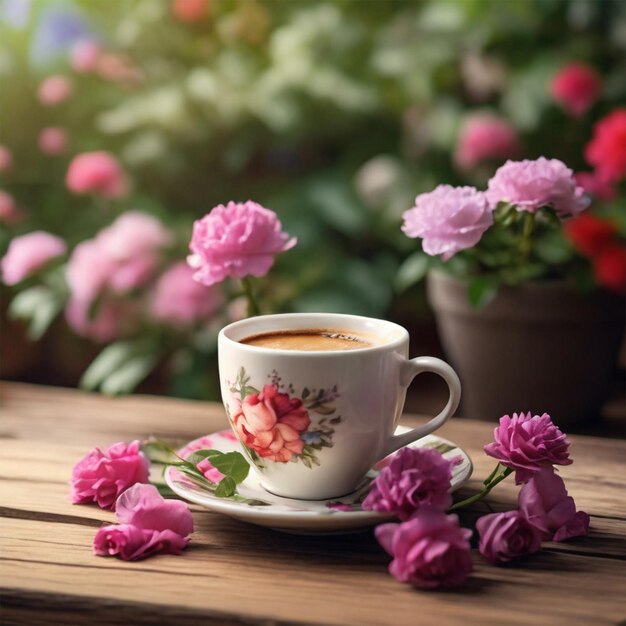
<point x="403" y="335"/>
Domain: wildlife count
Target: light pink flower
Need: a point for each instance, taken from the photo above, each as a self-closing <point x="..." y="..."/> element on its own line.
<point x="528" y="444"/>
<point x="55" y="90"/>
<point x="430" y="550"/>
<point x="84" y="56"/>
<point x="270" y="423"/>
<point x="448" y="219"/>
<point x="6" y="159"/>
<point x="544" y="502"/>
<point x="53" y="141"/>
<point x="204" y="443"/>
<point x="9" y="213"/>
<point x="29" y="253"/>
<point x="576" y="88"/>
<point x="180" y="301"/>
<point x="507" y="536"/>
<point x="99" y="173"/>
<point x="415" y="478"/>
<point x="102" y="476"/>
<point x="530" y="185"/>
<point x="131" y="543"/>
<point x="112" y="318"/>
<point x="143" y="506"/>
<point x="236" y="240"/>
<point x="485" y="138"/>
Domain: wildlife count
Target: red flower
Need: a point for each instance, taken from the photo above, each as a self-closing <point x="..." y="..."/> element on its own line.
<point x="576" y="88"/>
<point x="609" y="268"/>
<point x="590" y="234"/>
<point x="189" y="11"/>
<point x="607" y="149"/>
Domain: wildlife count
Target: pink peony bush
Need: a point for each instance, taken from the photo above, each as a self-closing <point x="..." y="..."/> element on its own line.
<point x="28" y="254"/>
<point x="55" y="90"/>
<point x="53" y="141"/>
<point x="98" y="173"/>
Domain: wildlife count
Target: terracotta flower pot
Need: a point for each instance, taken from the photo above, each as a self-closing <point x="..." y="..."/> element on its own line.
<point x="538" y="347"/>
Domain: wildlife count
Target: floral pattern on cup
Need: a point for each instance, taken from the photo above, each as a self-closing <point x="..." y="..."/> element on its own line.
<point x="277" y="424"/>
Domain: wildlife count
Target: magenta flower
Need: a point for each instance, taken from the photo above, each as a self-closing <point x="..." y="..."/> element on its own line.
<point x="55" y="90"/>
<point x="485" y="138"/>
<point x="237" y="240"/>
<point x="53" y="141"/>
<point x="149" y="525"/>
<point x="430" y="550"/>
<point x="448" y="219"/>
<point x="28" y="254"/>
<point x="179" y="300"/>
<point x="99" y="173"/>
<point x="102" y="476"/>
<point x="414" y="479"/>
<point x="544" y="502"/>
<point x="530" y="185"/>
<point x="204" y="443"/>
<point x="506" y="536"/>
<point x="576" y="88"/>
<point x="528" y="444"/>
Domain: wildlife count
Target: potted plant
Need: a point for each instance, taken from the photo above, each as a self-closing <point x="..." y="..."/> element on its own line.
<point x="527" y="289"/>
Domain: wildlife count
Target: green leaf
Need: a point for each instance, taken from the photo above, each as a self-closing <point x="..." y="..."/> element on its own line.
<point x="107" y="362"/>
<point x="323" y="409"/>
<point x="129" y="375"/>
<point x="201" y="455"/>
<point x="38" y="305"/>
<point x="440" y="447"/>
<point x="232" y="464"/>
<point x="481" y="291"/>
<point x="159" y="452"/>
<point x="305" y="393"/>
<point x="226" y="487"/>
<point x="412" y="270"/>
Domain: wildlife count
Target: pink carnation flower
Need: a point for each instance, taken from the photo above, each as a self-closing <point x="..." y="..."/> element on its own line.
<point x="131" y="543"/>
<point x="544" y="502"/>
<point x="102" y="476"/>
<point x="6" y="159"/>
<point x="430" y="550"/>
<point x="28" y="254"/>
<point x="99" y="173"/>
<point x="84" y="56"/>
<point x="204" y="443"/>
<point x="528" y="444"/>
<point x="111" y="319"/>
<point x="576" y="88"/>
<point x="180" y="301"/>
<point x="53" y="141"/>
<point x="236" y="240"/>
<point x="415" y="478"/>
<point x="9" y="213"/>
<point x="507" y="536"/>
<point x="448" y="219"/>
<point x="485" y="138"/>
<point x="55" y="90"/>
<point x="530" y="185"/>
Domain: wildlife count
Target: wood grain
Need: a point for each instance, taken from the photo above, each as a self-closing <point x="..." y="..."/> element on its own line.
<point x="233" y="573"/>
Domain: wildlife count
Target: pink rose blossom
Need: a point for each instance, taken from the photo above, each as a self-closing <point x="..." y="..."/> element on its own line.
<point x="99" y="173"/>
<point x="236" y="240"/>
<point x="430" y="550"/>
<point x="576" y="88"/>
<point x="544" y="502"/>
<point x="102" y="476"/>
<point x="131" y="543"/>
<point x="530" y="185"/>
<point x="448" y="219"/>
<point x="144" y="507"/>
<point x="29" y="253"/>
<point x="528" y="444"/>
<point x="112" y="319"/>
<point x="85" y="56"/>
<point x="204" y="443"/>
<point x="55" y="90"/>
<point x="180" y="301"/>
<point x="270" y="423"/>
<point x="6" y="159"/>
<point x="415" y="478"/>
<point x="53" y="141"/>
<point x="506" y="536"/>
<point x="9" y="213"/>
<point x="485" y="138"/>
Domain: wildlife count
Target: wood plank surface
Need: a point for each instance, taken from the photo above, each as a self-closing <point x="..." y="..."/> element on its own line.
<point x="234" y="573"/>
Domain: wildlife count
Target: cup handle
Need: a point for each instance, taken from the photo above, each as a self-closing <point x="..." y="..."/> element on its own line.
<point x="408" y="371"/>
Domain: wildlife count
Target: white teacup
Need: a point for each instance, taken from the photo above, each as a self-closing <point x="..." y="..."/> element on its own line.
<point x="313" y="423"/>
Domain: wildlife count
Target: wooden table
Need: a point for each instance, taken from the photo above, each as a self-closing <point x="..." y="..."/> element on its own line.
<point x="233" y="573"/>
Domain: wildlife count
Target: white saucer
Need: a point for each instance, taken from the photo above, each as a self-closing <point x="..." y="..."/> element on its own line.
<point x="254" y="504"/>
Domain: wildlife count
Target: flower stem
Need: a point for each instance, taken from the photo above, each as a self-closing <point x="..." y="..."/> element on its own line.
<point x="483" y="492"/>
<point x="527" y="231"/>
<point x="253" y="307"/>
<point x="491" y="476"/>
